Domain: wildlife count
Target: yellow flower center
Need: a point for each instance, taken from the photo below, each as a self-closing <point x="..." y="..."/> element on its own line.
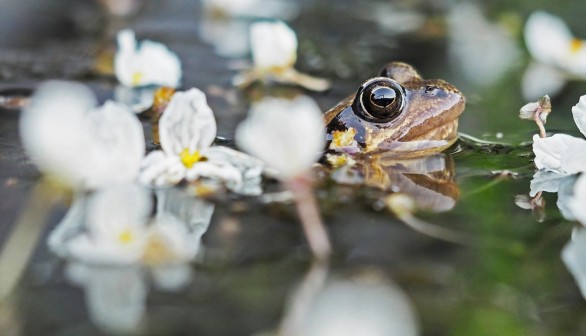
<point x="189" y="159"/>
<point x="157" y="251"/>
<point x="125" y="237"/>
<point x="137" y="78"/>
<point x="343" y="138"/>
<point x="576" y="45"/>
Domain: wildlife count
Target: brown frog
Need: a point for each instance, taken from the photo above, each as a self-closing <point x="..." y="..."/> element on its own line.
<point x="397" y="113"/>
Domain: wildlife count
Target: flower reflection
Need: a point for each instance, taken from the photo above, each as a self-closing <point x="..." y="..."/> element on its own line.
<point x="558" y="54"/>
<point x="429" y="180"/>
<point x="119" y="250"/>
<point x="559" y="158"/>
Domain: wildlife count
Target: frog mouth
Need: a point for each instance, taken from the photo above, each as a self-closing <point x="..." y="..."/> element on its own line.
<point x="437" y="139"/>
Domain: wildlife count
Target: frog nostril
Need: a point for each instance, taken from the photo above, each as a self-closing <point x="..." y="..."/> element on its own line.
<point x="383" y="96"/>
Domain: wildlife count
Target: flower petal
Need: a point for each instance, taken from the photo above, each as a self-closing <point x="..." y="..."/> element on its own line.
<point x="560" y="153"/>
<point x="187" y="123"/>
<point x="579" y="114"/>
<point x="547" y="37"/>
<point x="576" y="202"/>
<point x="574" y="256"/>
<point x="52" y="129"/>
<point x="117" y="146"/>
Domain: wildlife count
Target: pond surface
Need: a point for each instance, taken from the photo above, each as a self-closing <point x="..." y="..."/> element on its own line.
<point x="508" y="278"/>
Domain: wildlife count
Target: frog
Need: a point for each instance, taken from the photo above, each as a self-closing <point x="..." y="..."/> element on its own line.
<point x="397" y="113"/>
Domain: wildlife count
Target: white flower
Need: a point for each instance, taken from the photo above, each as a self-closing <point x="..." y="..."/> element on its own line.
<point x="274" y="52"/>
<point x="274" y="45"/>
<point x="578" y="200"/>
<point x="351" y="307"/>
<point x="251" y="8"/>
<point x="150" y="63"/>
<point x="230" y="7"/>
<point x="67" y="137"/>
<point x="287" y="134"/>
<point x="187" y="130"/>
<point x="574" y="256"/>
<point x="561" y="153"/>
<point x="551" y="43"/>
<point x="474" y="37"/>
<point x="579" y="114"/>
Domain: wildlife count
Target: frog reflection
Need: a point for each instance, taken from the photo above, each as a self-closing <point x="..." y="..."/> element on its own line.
<point x="397" y="113"/>
<point x="428" y="180"/>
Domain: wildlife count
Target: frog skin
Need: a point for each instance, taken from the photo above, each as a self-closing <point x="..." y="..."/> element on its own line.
<point x="397" y="113"/>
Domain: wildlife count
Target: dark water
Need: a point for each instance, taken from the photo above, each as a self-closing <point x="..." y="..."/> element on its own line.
<point x="508" y="280"/>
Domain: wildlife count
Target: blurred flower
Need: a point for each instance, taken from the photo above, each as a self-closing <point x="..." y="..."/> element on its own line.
<point x="286" y="134"/>
<point x="118" y="231"/>
<point x="392" y="18"/>
<point x="473" y="37"/>
<point x="289" y="136"/>
<point x="137" y="99"/>
<point x="228" y="36"/>
<point x="559" y="55"/>
<point x="274" y="53"/>
<point x="574" y="256"/>
<point x="229" y="7"/>
<point x="274" y="46"/>
<point x="150" y="63"/>
<point x="84" y="146"/>
<point x="282" y="9"/>
<point x="187" y="130"/>
<point x="121" y="7"/>
<point x="369" y="306"/>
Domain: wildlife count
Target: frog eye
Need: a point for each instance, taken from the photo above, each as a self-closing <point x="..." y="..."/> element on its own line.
<point x="380" y="99"/>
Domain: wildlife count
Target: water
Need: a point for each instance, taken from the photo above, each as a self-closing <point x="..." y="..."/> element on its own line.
<point x="509" y="279"/>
